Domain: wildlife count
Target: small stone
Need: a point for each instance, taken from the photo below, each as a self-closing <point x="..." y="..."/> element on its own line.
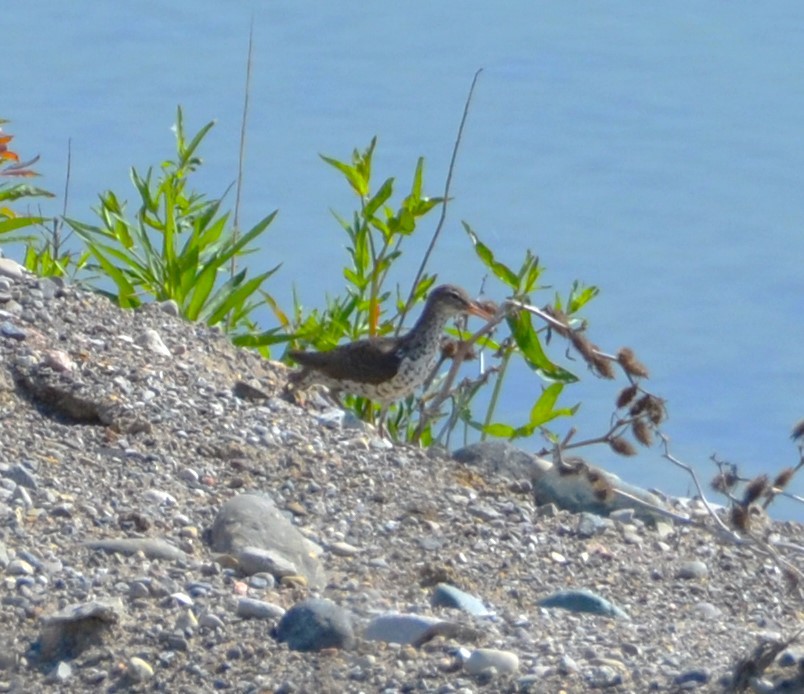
<point x="314" y="625"/>
<point x="59" y="361"/>
<point x="483" y="659"/>
<point x="705" y="610"/>
<point x="211" y="621"/>
<point x="590" y="524"/>
<point x="151" y="340"/>
<point x="446" y="595"/>
<point x="664" y="530"/>
<point x="582" y="600"/>
<point x="19" y="567"/>
<point x="169" y="307"/>
<point x="21" y="476"/>
<point x="11" y="268"/>
<point x="699" y="676"/>
<point x="623" y="515"/>
<point x="8" y="329"/>
<point x="248" y="608"/>
<point x="138" y="670"/>
<point x="343" y="549"/>
<point x="60" y="674"/>
<point x="692" y="569"/>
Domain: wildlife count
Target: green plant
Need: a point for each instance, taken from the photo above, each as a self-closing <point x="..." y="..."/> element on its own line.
<point x="12" y="168"/>
<point x="177" y="246"/>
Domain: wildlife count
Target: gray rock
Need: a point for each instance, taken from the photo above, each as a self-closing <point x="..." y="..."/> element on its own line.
<point x="151" y="340"/>
<point x="501" y="458"/>
<point x="9" y="329"/>
<point x="71" y="630"/>
<point x="591" y="524"/>
<point x="152" y="548"/>
<point x="446" y="595"/>
<point x="582" y="600"/>
<point x="252" y="521"/>
<point x="577" y="487"/>
<point x="138" y="670"/>
<point x="483" y="659"/>
<point x="692" y="569"/>
<point x="254" y="560"/>
<point x="11" y="268"/>
<point x="60" y="674"/>
<point x="248" y="608"/>
<point x="315" y="624"/>
<point x="21" y="476"/>
<point x="584" y="487"/>
<point x="399" y="628"/>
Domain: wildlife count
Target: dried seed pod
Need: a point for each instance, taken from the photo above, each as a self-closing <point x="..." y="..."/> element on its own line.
<point x="602" y="365"/>
<point x="798" y="431"/>
<point x="562" y="323"/>
<point x="656" y="410"/>
<point x="584" y="347"/>
<point x="725" y="481"/>
<point x="642" y="432"/>
<point x="621" y="446"/>
<point x="640" y="405"/>
<point x="783" y="478"/>
<point x="631" y="364"/>
<point x="627" y="395"/>
<point x="740" y="518"/>
<point x="449" y="348"/>
<point x="754" y="489"/>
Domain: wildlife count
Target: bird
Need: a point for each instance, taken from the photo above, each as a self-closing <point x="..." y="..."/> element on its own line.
<point x="387" y="369"/>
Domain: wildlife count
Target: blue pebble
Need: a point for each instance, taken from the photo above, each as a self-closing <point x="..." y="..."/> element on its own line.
<point x="582" y="600"/>
<point x="446" y="595"/>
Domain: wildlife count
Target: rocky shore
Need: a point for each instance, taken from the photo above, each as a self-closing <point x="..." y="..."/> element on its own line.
<point x="168" y="522"/>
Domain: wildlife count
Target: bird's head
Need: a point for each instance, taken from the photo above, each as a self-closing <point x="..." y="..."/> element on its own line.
<point x="450" y="300"/>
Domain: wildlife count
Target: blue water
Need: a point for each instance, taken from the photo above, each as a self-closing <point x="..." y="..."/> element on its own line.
<point x="653" y="150"/>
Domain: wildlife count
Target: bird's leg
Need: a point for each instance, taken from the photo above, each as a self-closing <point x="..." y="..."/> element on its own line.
<point x="381" y="421"/>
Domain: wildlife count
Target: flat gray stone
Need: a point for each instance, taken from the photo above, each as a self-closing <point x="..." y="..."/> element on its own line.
<point x="71" y="630"/>
<point x="250" y="522"/>
<point x="152" y="548"/>
<point x="399" y="628"/>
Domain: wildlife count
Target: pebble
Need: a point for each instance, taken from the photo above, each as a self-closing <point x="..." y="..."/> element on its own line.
<point x="483" y="659"/>
<point x="446" y="595"/>
<point x="151" y="340"/>
<point x="139" y="670"/>
<point x="689" y="570"/>
<point x="582" y="600"/>
<point x="249" y="608"/>
<point x="315" y="625"/>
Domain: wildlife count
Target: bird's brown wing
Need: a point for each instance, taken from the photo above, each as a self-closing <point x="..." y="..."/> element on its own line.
<point x="371" y="361"/>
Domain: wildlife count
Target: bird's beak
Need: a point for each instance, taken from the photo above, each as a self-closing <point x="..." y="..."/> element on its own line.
<point x="485" y="310"/>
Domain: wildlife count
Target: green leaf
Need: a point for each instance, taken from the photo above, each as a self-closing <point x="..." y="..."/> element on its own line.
<point x="503" y="272"/>
<point x="353" y="176"/>
<point x="499" y="429"/>
<point x="542" y="411"/>
<point x="7" y="225"/>
<point x="379" y="198"/>
<point x="528" y="342"/>
<point x="580" y="296"/>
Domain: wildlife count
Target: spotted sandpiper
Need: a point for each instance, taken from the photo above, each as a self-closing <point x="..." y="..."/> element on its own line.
<point x="386" y="369"/>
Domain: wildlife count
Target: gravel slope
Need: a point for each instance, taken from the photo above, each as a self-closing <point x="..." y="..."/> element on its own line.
<point x="108" y="432"/>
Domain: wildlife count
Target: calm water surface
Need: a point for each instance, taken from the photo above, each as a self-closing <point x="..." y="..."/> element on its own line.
<point x="655" y="151"/>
